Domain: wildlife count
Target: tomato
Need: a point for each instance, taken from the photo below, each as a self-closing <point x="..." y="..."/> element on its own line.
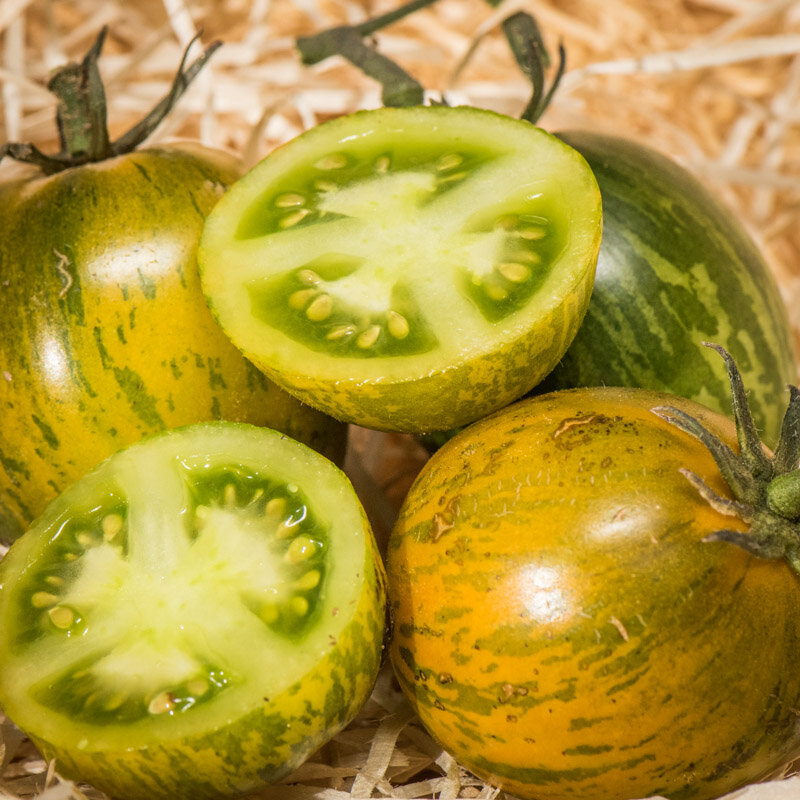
<point x="571" y="615"/>
<point x="676" y="268"/>
<point x="406" y="268"/>
<point x="194" y="617"/>
<point x="106" y="336"/>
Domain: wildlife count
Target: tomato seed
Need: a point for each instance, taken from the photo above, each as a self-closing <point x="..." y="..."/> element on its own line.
<point x="289" y="199"/>
<point x="320" y="308"/>
<point x="397" y="325"/>
<point x="43" y="599"/>
<point x="62" y="617"/>
<point x="332" y="161"/>
<point x="368" y="337"/>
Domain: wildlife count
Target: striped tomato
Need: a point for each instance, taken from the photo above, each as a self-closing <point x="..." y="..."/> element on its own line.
<point x="562" y="627"/>
<point x="107" y="336"/>
<point x="406" y="269"/>
<point x="194" y="617"/>
<point x="676" y="268"/>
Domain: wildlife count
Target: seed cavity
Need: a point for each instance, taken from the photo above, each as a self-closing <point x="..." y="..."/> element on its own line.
<point x="290" y="220"/>
<point x="62" y="617"/>
<point x="320" y="308"/>
<point x="289" y="200"/>
<point x="397" y="325"/>
<point x="332" y="161"/>
<point x="368" y="337"/>
<point x="514" y="272"/>
<point x="111" y="526"/>
<point x="43" y="599"/>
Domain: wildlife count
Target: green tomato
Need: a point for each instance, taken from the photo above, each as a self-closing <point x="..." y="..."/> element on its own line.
<point x="406" y="268"/>
<point x="106" y="335"/>
<point x="194" y="617"/>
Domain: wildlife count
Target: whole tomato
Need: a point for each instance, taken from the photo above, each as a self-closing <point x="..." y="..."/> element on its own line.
<point x="571" y="615"/>
<point x="106" y="335"/>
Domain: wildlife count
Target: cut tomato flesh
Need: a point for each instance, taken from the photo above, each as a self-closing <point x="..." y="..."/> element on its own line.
<point x="188" y="581"/>
<point x="399" y="245"/>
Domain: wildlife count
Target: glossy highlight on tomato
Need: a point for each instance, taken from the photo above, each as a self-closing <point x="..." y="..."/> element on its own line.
<point x="406" y="269"/>
<point x="194" y="617"/>
<point x="560" y="624"/>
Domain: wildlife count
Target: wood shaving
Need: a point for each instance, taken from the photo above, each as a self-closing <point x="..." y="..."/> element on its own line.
<point x="713" y="83"/>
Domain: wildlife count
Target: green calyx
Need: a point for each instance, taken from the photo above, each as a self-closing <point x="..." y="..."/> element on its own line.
<point x="765" y="488"/>
<point x="82" y="113"/>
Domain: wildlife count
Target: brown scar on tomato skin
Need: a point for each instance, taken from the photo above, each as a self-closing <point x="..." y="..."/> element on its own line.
<point x="573" y="422"/>
<point x="441" y="525"/>
<point x="620" y="627"/>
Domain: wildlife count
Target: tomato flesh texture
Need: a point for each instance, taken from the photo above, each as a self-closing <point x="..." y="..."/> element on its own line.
<point x="175" y="593"/>
<point x="404" y="245"/>
<point x="562" y="628"/>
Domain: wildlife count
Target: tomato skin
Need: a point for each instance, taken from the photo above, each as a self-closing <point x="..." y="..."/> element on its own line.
<point x="676" y="268"/>
<point x="107" y="336"/>
<point x="561" y="627"/>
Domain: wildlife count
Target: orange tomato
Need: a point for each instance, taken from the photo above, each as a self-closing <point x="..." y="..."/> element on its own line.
<point x="562" y="628"/>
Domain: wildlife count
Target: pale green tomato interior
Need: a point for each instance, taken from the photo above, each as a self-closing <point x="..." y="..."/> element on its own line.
<point x="399" y="241"/>
<point x="205" y="569"/>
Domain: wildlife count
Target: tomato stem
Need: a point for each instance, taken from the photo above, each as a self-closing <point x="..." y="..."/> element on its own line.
<point x="766" y="487"/>
<point x="398" y="87"/>
<point x="527" y="44"/>
<point x="81" y="114"/>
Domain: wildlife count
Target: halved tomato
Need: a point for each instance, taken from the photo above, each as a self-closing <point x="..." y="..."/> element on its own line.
<point x="194" y="617"/>
<point x="406" y="268"/>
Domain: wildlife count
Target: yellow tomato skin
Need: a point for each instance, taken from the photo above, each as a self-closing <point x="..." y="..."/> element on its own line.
<point x="561" y="627"/>
<point x="106" y="336"/>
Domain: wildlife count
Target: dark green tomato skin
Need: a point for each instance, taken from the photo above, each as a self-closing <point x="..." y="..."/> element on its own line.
<point x="106" y="336"/>
<point x="675" y="269"/>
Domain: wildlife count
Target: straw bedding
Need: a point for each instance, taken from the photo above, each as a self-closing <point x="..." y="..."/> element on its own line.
<point x="714" y="83"/>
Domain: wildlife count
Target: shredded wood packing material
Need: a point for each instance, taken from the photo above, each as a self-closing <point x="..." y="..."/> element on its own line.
<point x="713" y="83"/>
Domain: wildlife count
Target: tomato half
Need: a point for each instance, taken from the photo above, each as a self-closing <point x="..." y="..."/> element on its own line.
<point x="194" y="617"/>
<point x="561" y="626"/>
<point x="406" y="268"/>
